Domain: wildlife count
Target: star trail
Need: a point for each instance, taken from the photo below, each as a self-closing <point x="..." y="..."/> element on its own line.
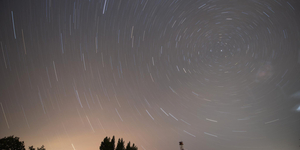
<point x="215" y="74"/>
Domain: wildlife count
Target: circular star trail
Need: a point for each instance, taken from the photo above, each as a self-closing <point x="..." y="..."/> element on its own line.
<point x="215" y="74"/>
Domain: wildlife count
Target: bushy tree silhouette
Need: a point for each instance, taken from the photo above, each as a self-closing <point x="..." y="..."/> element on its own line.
<point x="31" y="148"/>
<point x="41" y="148"/>
<point x="108" y="144"/>
<point x="133" y="147"/>
<point x="12" y="143"/>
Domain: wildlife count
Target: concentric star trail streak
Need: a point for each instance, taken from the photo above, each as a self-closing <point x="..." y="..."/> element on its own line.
<point x="215" y="74"/>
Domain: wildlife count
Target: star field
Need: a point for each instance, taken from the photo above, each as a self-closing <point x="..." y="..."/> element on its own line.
<point x="215" y="74"/>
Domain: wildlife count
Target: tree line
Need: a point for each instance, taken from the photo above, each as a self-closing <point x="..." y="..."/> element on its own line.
<point x="108" y="144"/>
<point x="14" y="143"/>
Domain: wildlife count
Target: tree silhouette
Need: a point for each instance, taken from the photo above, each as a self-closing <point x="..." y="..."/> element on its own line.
<point x="108" y="144"/>
<point x="112" y="144"/>
<point x="133" y="147"/>
<point x="105" y="144"/>
<point x="120" y="145"/>
<point x="41" y="148"/>
<point x="31" y="148"/>
<point x="128" y="147"/>
<point x="12" y="143"/>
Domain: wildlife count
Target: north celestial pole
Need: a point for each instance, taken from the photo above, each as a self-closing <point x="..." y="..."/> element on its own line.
<point x="215" y="74"/>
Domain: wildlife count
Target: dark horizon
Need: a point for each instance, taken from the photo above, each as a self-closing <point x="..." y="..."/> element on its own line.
<point x="215" y="74"/>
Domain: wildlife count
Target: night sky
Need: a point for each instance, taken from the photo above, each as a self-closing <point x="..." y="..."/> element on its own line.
<point x="215" y="74"/>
